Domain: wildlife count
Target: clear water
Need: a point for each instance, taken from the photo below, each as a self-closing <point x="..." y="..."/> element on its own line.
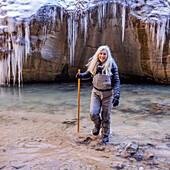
<point x="146" y="102"/>
<point x="52" y="98"/>
<point x="142" y="115"/>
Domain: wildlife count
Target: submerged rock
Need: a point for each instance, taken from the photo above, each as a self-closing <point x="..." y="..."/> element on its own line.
<point x="131" y="148"/>
<point x="149" y="155"/>
<point x="158" y="108"/>
<point x="87" y="140"/>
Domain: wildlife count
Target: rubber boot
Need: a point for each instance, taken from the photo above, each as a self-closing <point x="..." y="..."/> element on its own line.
<point x="105" y="128"/>
<point x="97" y="127"/>
<point x="95" y="131"/>
<point x="105" y="139"/>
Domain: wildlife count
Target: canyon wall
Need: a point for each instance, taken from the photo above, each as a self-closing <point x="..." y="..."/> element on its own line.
<point x="53" y="43"/>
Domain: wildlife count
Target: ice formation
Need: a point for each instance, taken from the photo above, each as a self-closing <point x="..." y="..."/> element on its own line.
<point x="13" y="12"/>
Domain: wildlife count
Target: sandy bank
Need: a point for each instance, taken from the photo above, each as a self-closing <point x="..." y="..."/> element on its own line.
<point x="44" y="141"/>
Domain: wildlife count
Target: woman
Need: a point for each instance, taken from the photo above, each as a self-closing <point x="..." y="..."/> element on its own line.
<point x="106" y="89"/>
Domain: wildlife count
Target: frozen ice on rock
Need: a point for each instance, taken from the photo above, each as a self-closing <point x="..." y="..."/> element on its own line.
<point x="155" y="12"/>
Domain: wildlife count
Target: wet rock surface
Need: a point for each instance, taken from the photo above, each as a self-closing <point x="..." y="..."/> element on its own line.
<point x="134" y="154"/>
<point x="158" y="108"/>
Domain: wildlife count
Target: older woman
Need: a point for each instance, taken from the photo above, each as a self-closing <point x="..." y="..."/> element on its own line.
<point x="106" y="91"/>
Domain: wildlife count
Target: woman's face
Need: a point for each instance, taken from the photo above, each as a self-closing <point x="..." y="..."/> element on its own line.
<point x="102" y="56"/>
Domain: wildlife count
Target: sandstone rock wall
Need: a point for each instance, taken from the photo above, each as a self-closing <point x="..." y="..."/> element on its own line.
<point x="62" y="41"/>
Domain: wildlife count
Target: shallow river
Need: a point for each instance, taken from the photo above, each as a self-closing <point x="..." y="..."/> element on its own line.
<point x="137" y="102"/>
<point x="146" y="103"/>
<point x="142" y="115"/>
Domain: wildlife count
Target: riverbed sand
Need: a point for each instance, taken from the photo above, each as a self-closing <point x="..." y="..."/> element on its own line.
<point x="46" y="141"/>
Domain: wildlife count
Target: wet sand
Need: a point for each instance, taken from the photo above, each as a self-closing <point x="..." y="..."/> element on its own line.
<point x="47" y="141"/>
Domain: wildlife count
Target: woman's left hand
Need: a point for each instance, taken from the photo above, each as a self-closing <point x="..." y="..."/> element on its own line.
<point x="115" y="102"/>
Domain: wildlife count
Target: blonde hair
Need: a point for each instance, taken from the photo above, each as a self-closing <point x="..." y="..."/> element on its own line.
<point x="108" y="64"/>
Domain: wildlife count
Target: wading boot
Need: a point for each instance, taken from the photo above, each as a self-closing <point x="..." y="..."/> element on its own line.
<point x="95" y="131"/>
<point x="97" y="126"/>
<point x="105" y="139"/>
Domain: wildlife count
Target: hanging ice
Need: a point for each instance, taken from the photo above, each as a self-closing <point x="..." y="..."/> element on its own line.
<point x="5" y="71"/>
<point x="54" y="17"/>
<point x="153" y="32"/>
<point x="27" y="40"/>
<point x="162" y="32"/>
<point x="61" y="15"/>
<point x="123" y="21"/>
<point x="114" y="9"/>
<point x="18" y="57"/>
<point x="85" y="27"/>
<point x="18" y="39"/>
<point x="158" y="34"/>
<point x="72" y="36"/>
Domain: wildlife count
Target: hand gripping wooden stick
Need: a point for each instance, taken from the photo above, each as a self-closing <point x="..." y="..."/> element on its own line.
<point x="78" y="104"/>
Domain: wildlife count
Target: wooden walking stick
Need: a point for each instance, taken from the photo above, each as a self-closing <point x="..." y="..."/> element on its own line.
<point x="78" y="104"/>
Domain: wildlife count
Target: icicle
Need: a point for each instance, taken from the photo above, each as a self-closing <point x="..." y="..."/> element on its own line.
<point x="27" y="40"/>
<point x="70" y="43"/>
<point x="2" y="74"/>
<point x="151" y="27"/>
<point x="5" y="70"/>
<point x="19" y="66"/>
<point x="162" y="32"/>
<point x="147" y="28"/>
<point x="19" y="54"/>
<point x="82" y="23"/>
<point x="167" y="26"/>
<point x="114" y="10"/>
<point x="14" y="64"/>
<point x="61" y="13"/>
<point x="91" y="19"/>
<point x="75" y="32"/>
<point x="104" y="9"/>
<point x="9" y="58"/>
<point x="123" y="21"/>
<point x="17" y="57"/>
<point x="153" y="32"/>
<point x="73" y="40"/>
<point x="8" y="68"/>
<point x="158" y="34"/>
<point x="54" y="16"/>
<point x="85" y="27"/>
<point x="19" y="62"/>
<point x="72" y="36"/>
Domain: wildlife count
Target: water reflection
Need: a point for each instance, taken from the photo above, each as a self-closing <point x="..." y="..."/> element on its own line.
<point x="57" y="98"/>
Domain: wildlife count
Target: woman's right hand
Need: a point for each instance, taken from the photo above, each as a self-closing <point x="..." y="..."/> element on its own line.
<point x="79" y="75"/>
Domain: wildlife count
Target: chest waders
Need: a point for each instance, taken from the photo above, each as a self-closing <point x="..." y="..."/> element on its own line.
<point x="101" y="101"/>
